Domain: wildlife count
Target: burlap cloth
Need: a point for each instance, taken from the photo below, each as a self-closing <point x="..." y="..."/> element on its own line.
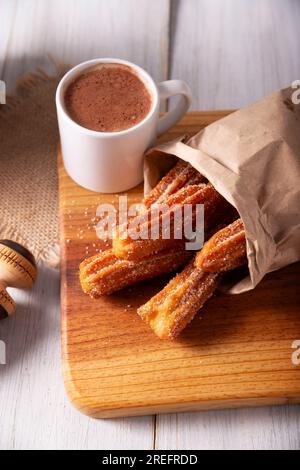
<point x="29" y="186"/>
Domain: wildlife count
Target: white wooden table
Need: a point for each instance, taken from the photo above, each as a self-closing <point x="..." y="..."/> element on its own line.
<point x="230" y="52"/>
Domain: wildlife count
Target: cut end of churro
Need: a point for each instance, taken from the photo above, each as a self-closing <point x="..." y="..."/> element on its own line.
<point x="224" y="251"/>
<point x="170" y="311"/>
<point x="181" y="175"/>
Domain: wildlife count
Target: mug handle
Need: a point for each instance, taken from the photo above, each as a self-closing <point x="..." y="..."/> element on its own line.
<point x="166" y="90"/>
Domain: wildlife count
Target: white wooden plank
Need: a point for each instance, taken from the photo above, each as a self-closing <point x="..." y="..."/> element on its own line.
<point x="276" y="427"/>
<point x="7" y="11"/>
<point x="75" y="30"/>
<point x="234" y="52"/>
<point x="222" y="44"/>
<point x="34" y="410"/>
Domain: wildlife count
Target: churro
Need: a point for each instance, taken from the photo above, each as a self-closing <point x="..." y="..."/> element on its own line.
<point x="225" y="250"/>
<point x="104" y="274"/>
<point x="153" y="243"/>
<point x="130" y="244"/>
<point x="169" y="312"/>
<point x="181" y="175"/>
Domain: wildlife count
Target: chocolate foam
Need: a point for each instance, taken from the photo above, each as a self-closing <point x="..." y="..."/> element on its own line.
<point x="108" y="98"/>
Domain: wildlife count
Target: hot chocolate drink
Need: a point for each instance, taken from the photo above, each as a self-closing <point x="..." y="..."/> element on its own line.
<point x="108" y="98"/>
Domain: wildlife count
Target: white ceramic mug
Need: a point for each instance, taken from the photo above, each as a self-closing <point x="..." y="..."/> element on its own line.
<point x="111" y="162"/>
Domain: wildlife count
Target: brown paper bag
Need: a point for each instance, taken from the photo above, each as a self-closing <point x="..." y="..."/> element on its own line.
<point x="252" y="157"/>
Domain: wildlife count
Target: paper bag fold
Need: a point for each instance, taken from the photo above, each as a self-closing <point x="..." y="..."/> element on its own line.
<point x="252" y="157"/>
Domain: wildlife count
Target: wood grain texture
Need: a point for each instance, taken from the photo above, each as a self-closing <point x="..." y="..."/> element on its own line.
<point x="237" y="353"/>
<point x="234" y="52"/>
<point x="231" y="53"/>
<point x="276" y="427"/>
<point x="35" y="412"/>
<point x="71" y="32"/>
<point x="44" y="418"/>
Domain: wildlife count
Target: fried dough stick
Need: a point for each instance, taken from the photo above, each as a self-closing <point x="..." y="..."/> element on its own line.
<point x="181" y="175"/>
<point x="225" y="250"/>
<point x="125" y="246"/>
<point x="104" y="274"/>
<point x="175" y="306"/>
<point x="169" y="312"/>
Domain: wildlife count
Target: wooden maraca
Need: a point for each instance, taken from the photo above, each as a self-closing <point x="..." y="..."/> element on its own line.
<point x="17" y="269"/>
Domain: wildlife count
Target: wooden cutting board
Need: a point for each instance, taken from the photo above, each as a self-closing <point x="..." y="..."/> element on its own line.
<point x="238" y="352"/>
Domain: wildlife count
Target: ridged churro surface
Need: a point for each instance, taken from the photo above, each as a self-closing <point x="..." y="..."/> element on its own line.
<point x="181" y="175"/>
<point x="104" y="274"/>
<point x="169" y="312"/>
<point x="225" y="250"/>
<point x="152" y="243"/>
<point x="128" y="244"/>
